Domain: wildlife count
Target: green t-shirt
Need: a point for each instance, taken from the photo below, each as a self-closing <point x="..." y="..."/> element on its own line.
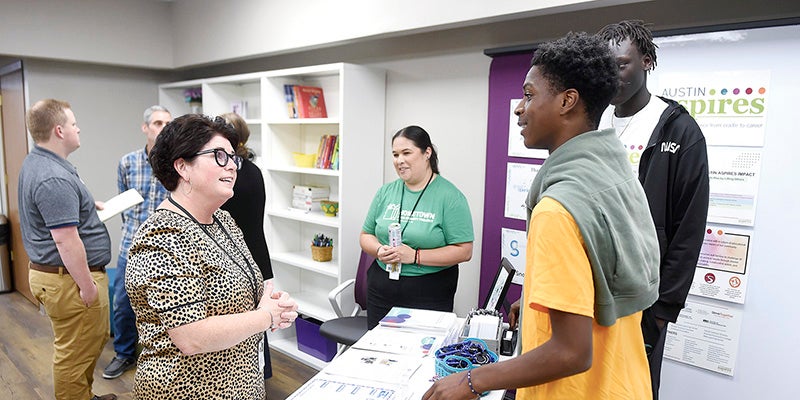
<point x="440" y="218"/>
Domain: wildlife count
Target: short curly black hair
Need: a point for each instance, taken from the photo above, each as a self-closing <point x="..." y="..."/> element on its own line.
<point x="582" y="62"/>
<point x="635" y="30"/>
<point x="182" y="138"/>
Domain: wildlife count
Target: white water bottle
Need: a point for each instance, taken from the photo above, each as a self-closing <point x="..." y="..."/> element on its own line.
<point x="395" y="240"/>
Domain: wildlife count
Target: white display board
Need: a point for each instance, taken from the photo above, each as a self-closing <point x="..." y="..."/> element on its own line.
<point x="759" y="362"/>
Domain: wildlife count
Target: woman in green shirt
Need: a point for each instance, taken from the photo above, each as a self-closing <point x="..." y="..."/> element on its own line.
<point x="436" y="227"/>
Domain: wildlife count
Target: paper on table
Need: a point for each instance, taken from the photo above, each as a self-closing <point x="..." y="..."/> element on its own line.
<point x="374" y="365"/>
<point x="334" y="387"/>
<point x="396" y="341"/>
<point x="119" y="203"/>
<point x="418" y="319"/>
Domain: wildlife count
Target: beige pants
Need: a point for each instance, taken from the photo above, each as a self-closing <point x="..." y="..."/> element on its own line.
<point x="80" y="332"/>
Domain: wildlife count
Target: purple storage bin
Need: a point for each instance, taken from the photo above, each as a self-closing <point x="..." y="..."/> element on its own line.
<point x="309" y="340"/>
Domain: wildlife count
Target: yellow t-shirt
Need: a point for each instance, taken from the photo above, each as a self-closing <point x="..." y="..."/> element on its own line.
<point x="558" y="276"/>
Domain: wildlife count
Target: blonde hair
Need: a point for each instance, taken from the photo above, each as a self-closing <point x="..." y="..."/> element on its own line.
<point x="241" y="128"/>
<point x="44" y="116"/>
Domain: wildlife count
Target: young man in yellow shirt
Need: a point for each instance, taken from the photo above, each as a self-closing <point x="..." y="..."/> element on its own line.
<point x="592" y="251"/>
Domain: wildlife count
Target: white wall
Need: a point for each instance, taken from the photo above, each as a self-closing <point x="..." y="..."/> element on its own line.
<point x="179" y="33"/>
<point x="447" y="96"/>
<point x="166" y="34"/>
<point x="117" y="32"/>
<point x="108" y="104"/>
<point x="270" y="27"/>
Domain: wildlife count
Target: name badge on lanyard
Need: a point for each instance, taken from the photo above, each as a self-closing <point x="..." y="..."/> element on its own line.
<point x="396" y="230"/>
<point x="394" y="270"/>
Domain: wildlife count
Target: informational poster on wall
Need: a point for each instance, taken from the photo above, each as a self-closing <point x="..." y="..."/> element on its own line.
<point x="518" y="181"/>
<point x="705" y="336"/>
<point x="722" y="269"/>
<point x="514" y="243"/>
<point x="733" y="174"/>
<point x="730" y="106"/>
<point x="516" y="145"/>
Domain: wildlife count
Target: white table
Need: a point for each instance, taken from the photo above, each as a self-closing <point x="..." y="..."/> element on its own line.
<point x="328" y="385"/>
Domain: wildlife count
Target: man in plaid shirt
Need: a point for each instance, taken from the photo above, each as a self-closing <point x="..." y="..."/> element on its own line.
<point x="134" y="172"/>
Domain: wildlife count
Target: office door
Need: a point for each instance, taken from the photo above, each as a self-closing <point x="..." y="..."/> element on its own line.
<point x="15" y="148"/>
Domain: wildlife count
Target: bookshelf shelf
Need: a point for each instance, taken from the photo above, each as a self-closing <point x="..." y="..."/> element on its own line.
<point x="288" y="345"/>
<point x="355" y="101"/>
<point x="302" y="259"/>
<point x="301" y="170"/>
<point x="313" y="217"/>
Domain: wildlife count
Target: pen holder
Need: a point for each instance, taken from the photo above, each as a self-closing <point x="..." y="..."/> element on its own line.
<point x="319" y="253"/>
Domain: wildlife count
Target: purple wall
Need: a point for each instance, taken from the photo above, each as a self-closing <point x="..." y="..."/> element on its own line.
<point x="506" y="75"/>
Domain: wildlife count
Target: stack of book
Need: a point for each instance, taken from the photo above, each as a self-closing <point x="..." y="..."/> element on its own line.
<point x="307" y="198"/>
<point x="305" y="101"/>
<point x="328" y="152"/>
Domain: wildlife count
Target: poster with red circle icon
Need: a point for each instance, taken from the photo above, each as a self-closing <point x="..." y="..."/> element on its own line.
<point x="723" y="265"/>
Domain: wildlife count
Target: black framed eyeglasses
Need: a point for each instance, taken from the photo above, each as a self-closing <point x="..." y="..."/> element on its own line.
<point x="221" y="157"/>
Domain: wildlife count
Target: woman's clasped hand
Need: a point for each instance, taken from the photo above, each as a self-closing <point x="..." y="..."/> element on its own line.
<point x="282" y="312"/>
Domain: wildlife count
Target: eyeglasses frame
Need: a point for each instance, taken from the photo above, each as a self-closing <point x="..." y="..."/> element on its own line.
<point x="237" y="160"/>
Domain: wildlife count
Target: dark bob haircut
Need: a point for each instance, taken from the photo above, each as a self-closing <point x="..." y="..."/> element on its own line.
<point x="182" y="138"/>
<point x="582" y="62"/>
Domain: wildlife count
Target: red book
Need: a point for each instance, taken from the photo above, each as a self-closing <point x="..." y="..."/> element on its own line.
<point x="329" y="153"/>
<point x="310" y="102"/>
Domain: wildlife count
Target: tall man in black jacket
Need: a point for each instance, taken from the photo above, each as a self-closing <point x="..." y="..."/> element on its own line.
<point x="668" y="152"/>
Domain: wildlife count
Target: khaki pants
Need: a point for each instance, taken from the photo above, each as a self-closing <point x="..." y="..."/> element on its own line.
<point x="80" y="332"/>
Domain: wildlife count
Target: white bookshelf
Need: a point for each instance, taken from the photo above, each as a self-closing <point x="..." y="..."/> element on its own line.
<point x="355" y="102"/>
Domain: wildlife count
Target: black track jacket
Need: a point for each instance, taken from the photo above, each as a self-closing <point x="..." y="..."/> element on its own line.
<point x="673" y="170"/>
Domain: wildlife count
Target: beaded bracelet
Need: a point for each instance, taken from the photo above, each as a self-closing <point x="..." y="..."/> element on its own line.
<point x="469" y="382"/>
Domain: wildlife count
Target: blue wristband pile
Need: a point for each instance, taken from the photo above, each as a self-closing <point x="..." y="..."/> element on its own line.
<point x="463" y="356"/>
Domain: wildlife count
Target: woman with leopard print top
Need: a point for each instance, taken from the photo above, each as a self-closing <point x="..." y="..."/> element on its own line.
<point x="201" y="309"/>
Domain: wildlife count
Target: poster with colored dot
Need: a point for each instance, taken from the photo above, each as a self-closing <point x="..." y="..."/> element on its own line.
<point x="722" y="268"/>
<point x="731" y="107"/>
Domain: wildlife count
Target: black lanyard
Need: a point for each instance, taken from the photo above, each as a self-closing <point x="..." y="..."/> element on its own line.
<point x="402" y="194"/>
<point x="251" y="276"/>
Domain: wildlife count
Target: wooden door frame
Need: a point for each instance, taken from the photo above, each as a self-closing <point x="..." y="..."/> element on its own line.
<point x="13" y="109"/>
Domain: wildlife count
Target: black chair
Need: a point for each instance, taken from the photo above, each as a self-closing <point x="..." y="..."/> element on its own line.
<point x="347" y="329"/>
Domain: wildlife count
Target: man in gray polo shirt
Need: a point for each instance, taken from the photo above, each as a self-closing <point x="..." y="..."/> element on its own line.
<point x="68" y="247"/>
